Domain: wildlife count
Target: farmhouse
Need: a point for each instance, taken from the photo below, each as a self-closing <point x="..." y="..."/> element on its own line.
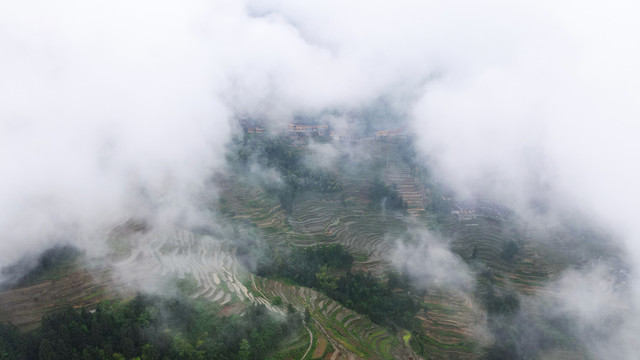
<point x="390" y="133"/>
<point x="300" y="129"/>
<point x="251" y="126"/>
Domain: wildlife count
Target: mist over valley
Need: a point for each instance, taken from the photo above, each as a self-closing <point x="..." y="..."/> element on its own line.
<point x="271" y="179"/>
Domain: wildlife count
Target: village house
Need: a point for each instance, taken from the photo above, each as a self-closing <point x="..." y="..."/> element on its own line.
<point x="308" y="130"/>
<point x="255" y="130"/>
<point x="390" y="133"/>
<point x="251" y="126"/>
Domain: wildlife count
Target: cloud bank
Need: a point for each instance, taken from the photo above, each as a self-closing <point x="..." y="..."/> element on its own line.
<point x="117" y="109"/>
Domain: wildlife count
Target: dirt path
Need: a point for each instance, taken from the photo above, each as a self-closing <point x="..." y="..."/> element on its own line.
<point x="253" y="282"/>
<point x="310" y="341"/>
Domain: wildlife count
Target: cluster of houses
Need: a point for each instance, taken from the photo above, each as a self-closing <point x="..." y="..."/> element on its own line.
<point x="469" y="210"/>
<point x="308" y="130"/>
<point x="251" y="126"/>
<point x="302" y="130"/>
<point x="465" y="214"/>
<point x="391" y="133"/>
<point x="493" y="210"/>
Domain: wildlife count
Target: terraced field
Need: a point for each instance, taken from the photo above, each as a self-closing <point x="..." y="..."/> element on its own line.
<point x="450" y="323"/>
<point x="410" y="189"/>
<point x="349" y="334"/>
<point x="532" y="266"/>
<point x="343" y="218"/>
<point x="25" y="307"/>
<point x="370" y="236"/>
<point x="362" y="232"/>
<point x="151" y="257"/>
<point x="528" y="270"/>
<point x="180" y="253"/>
<point x="248" y="203"/>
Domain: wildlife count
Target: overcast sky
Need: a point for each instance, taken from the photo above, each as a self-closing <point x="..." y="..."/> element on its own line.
<point x="101" y="99"/>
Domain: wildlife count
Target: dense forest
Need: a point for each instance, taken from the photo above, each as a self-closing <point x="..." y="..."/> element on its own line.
<point x="150" y="328"/>
<point x="328" y="269"/>
<point x="386" y="197"/>
<point x="303" y="265"/>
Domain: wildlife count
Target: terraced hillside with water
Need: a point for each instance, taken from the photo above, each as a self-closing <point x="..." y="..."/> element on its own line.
<point x="450" y="323"/>
<point x="397" y="174"/>
<point x="367" y="233"/>
<point x="511" y="252"/>
<point x="345" y="218"/>
<point x="516" y="258"/>
<point x="207" y="266"/>
<point x="511" y="257"/>
<point x="348" y="333"/>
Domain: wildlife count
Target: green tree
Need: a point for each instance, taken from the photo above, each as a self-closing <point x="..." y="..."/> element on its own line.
<point x="149" y="353"/>
<point x="277" y="301"/>
<point x="326" y="282"/>
<point x="509" y="250"/>
<point x="245" y="350"/>
<point x="47" y="350"/>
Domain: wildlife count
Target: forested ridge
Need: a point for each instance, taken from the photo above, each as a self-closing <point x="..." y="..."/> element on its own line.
<point x="328" y="269"/>
<point x="151" y="328"/>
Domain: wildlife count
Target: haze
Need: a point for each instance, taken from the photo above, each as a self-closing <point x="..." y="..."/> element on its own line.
<point x="113" y="110"/>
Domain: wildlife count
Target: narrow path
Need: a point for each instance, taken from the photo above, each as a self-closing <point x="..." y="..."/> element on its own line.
<point x="253" y="282"/>
<point x="310" y="340"/>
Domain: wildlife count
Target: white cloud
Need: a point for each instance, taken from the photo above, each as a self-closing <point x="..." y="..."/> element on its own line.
<point x="431" y="263"/>
<point x="102" y="99"/>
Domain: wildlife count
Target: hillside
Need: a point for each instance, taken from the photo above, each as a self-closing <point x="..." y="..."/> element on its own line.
<point x="332" y="207"/>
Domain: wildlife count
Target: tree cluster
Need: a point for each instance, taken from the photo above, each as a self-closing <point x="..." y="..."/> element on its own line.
<point x="301" y="265"/>
<point x="317" y="267"/>
<point x="381" y="195"/>
<point x="149" y="328"/>
<point x="502" y="307"/>
<point x="367" y="295"/>
<point x="509" y="250"/>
